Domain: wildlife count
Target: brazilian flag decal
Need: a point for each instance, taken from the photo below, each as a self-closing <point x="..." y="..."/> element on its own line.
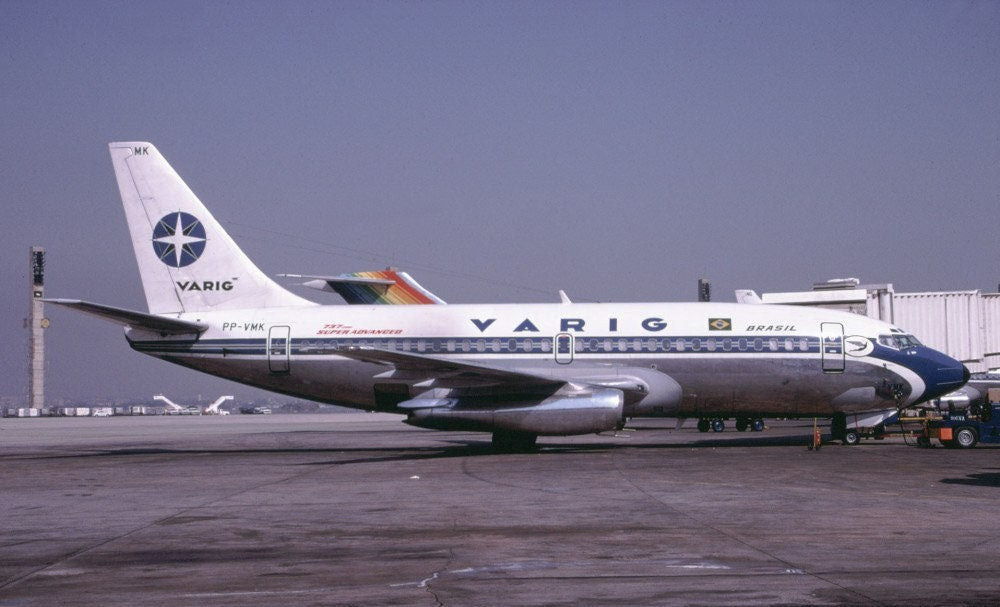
<point x="720" y="324"/>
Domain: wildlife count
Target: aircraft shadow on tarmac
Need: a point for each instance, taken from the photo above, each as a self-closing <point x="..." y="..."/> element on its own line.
<point x="475" y="448"/>
<point x="979" y="479"/>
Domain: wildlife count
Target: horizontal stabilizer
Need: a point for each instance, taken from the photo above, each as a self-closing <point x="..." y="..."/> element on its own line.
<point x="381" y="287"/>
<point x="132" y="318"/>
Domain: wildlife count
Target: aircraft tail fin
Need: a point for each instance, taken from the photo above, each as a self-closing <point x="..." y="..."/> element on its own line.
<point x="187" y="261"/>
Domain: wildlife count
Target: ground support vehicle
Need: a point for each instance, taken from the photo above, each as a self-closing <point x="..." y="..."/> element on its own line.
<point x="964" y="429"/>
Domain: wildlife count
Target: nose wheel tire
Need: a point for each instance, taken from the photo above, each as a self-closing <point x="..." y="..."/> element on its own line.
<point x="851" y="436"/>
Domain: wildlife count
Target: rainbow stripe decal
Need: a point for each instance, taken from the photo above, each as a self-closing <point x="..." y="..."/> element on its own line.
<point x="403" y="290"/>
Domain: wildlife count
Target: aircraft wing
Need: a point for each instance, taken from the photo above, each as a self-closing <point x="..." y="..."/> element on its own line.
<point x="131" y="318"/>
<point x="479" y="396"/>
<point x="438" y="372"/>
<point x="487" y="380"/>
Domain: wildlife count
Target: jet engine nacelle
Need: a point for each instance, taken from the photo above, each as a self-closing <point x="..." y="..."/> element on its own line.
<point x="593" y="412"/>
<point x="648" y="392"/>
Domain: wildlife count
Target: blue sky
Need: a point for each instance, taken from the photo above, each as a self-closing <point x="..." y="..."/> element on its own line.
<point x="500" y="151"/>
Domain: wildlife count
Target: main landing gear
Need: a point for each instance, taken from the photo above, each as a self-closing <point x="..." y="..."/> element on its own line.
<point x="718" y="424"/>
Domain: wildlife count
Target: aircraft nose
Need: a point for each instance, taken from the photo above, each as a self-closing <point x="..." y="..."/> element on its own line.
<point x="948" y="376"/>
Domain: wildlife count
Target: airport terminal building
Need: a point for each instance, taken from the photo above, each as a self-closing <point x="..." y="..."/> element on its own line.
<point x="962" y="324"/>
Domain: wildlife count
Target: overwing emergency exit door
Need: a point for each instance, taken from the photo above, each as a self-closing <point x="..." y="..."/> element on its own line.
<point x="563" y="348"/>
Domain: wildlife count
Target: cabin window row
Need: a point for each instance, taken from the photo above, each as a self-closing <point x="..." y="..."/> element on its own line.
<point x="582" y="345"/>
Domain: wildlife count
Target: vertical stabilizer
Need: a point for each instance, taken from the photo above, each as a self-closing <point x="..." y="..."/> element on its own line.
<point x="188" y="263"/>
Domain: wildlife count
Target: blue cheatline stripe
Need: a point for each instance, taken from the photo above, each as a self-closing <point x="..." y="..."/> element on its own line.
<point x="698" y="344"/>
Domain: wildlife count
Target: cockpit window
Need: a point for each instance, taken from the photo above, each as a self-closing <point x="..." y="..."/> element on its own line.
<point x="906" y="341"/>
<point x="898" y="341"/>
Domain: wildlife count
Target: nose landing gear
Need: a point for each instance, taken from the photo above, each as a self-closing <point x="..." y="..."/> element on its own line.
<point x="840" y="431"/>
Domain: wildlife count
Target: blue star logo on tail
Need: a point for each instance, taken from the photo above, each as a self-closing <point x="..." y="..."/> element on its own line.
<point x="179" y="239"/>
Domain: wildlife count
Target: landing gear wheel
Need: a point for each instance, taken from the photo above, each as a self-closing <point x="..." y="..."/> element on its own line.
<point x="703" y="425"/>
<point x="742" y="423"/>
<point x="509" y="441"/>
<point x="757" y="425"/>
<point x="851" y="436"/>
<point x="965" y="438"/>
<point x="718" y="425"/>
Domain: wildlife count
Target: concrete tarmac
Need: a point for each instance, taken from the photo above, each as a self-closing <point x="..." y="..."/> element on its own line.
<point x="360" y="509"/>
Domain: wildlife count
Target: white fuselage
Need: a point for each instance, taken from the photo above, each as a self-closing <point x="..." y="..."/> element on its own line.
<point x="727" y="358"/>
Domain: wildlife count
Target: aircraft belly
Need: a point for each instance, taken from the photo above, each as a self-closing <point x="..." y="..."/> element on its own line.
<point x="777" y="387"/>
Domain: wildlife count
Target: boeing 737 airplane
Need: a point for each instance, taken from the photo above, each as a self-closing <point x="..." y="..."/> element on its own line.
<point x="516" y="370"/>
